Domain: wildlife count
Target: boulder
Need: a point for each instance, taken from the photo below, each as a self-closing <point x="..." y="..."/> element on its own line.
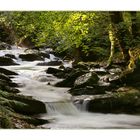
<point x="88" y="90"/>
<point x="33" y="50"/>
<point x="12" y="110"/>
<point x="4" y="46"/>
<point x="10" y="56"/>
<point x="5" y="78"/>
<point x="30" y="57"/>
<point x="130" y="76"/>
<point x="56" y="72"/>
<point x="88" y="79"/>
<point x="81" y="65"/>
<point x="45" y="55"/>
<point x="6" y="84"/>
<point x="23" y="104"/>
<point x="125" y="101"/>
<point x="51" y="63"/>
<point x="7" y="72"/>
<point x="10" y="119"/>
<point x="100" y="71"/>
<point x="35" y="121"/>
<point x="5" y="87"/>
<point x="6" y="61"/>
<point x="53" y="71"/>
<point x="70" y="79"/>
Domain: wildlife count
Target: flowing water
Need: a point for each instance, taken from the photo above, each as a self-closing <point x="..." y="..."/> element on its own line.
<point x="62" y="113"/>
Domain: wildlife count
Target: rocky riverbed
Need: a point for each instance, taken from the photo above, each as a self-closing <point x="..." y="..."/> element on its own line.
<point x="39" y="90"/>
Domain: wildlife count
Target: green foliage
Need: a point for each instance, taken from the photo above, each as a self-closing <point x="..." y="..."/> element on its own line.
<point x="65" y="31"/>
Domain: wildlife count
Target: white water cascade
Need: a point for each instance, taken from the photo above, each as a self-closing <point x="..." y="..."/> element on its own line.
<point x="62" y="113"/>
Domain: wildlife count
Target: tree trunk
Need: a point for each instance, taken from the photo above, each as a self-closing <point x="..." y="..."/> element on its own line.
<point x="113" y="44"/>
<point x="134" y="26"/>
<point x="120" y="34"/>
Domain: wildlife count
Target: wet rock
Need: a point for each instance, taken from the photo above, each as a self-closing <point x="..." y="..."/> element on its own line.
<point x="70" y="79"/>
<point x="61" y="67"/>
<point x="10" y="56"/>
<point x="6" y="84"/>
<point x="12" y="108"/>
<point x="4" y="46"/>
<point x="5" y="77"/>
<point x="88" y="90"/>
<point x="88" y="79"/>
<point x="30" y="57"/>
<point x="33" y="50"/>
<point x="7" y="72"/>
<point x="126" y="101"/>
<point x="45" y="55"/>
<point x="5" y="61"/>
<point x="100" y="71"/>
<point x="11" y="119"/>
<point x="52" y="70"/>
<point x="23" y="104"/>
<point x="59" y="73"/>
<point x="127" y="77"/>
<point x="51" y="63"/>
<point x="95" y="65"/>
<point x="115" y="71"/>
<point x="33" y="106"/>
<point x="35" y="121"/>
<point x="82" y="66"/>
<point x="5" y="87"/>
<point x="56" y="72"/>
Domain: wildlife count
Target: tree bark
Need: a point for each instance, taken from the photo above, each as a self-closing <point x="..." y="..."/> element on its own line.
<point x="120" y="35"/>
<point x="134" y="26"/>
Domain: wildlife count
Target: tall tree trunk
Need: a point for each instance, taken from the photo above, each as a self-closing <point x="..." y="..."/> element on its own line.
<point x="134" y="26"/>
<point x="113" y="43"/>
<point x="120" y="34"/>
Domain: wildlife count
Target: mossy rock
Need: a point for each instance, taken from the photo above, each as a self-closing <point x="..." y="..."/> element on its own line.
<point x="7" y="72"/>
<point x="51" y="63"/>
<point x="59" y="73"/>
<point x="7" y="87"/>
<point x="10" y="56"/>
<point x="35" y="121"/>
<point x="117" y="102"/>
<point x="10" y="119"/>
<point x="30" y="57"/>
<point x="88" y="79"/>
<point x="70" y="79"/>
<point x="88" y="90"/>
<point x="15" y="105"/>
<point x="4" y="46"/>
<point x="54" y="71"/>
<point x="29" y="106"/>
<point x="45" y="55"/>
<point x="6" y="61"/>
<point x="5" y="122"/>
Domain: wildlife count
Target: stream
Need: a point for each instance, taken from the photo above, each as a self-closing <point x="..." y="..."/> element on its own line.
<point x="62" y="113"/>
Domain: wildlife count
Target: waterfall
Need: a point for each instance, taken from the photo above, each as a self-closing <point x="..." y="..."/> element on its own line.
<point x="82" y="105"/>
<point x="64" y="108"/>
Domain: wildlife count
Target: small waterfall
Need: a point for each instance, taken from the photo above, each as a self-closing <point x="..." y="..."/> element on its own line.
<point x="64" y="108"/>
<point x="82" y="105"/>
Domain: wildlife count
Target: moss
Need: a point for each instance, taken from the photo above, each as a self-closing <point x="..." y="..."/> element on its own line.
<point x="117" y="102"/>
<point x="12" y="110"/>
<point x="5" y="122"/>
